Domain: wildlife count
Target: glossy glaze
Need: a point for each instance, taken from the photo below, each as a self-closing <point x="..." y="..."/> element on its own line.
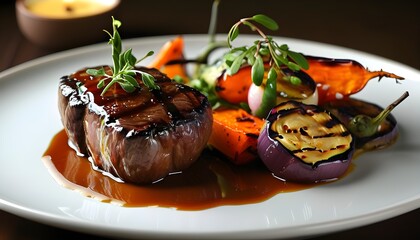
<point x="210" y="182"/>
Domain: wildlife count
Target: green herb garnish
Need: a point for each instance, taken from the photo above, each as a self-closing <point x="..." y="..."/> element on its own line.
<point x="262" y="52"/>
<point x="265" y="49"/>
<point x="123" y="71"/>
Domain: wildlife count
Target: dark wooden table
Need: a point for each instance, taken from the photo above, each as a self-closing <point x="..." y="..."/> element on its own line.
<point x="388" y="29"/>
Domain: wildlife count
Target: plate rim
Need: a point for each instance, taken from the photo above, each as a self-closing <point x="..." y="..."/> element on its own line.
<point x="76" y="225"/>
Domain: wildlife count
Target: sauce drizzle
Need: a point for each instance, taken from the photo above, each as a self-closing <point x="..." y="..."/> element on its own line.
<point x="210" y="182"/>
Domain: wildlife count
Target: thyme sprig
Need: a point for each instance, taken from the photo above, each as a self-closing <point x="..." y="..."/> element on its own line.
<point x="123" y="70"/>
<point x="263" y="49"/>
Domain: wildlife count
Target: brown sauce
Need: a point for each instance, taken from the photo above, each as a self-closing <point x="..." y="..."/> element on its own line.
<point x="210" y="182"/>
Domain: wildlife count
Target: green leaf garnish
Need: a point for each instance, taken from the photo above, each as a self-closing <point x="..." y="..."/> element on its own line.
<point x="149" y="81"/>
<point x="265" y="49"/>
<point x="236" y="64"/>
<point x="233" y="34"/>
<point x="266" y="22"/>
<point x="299" y="59"/>
<point x="257" y="71"/>
<point x="96" y="72"/>
<point x="262" y="52"/>
<point x="123" y="70"/>
<point x="131" y="80"/>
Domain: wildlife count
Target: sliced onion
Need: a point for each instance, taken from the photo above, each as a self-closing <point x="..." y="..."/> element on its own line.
<point x="286" y="163"/>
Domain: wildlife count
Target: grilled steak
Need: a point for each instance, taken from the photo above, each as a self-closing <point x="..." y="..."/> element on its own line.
<point x="139" y="137"/>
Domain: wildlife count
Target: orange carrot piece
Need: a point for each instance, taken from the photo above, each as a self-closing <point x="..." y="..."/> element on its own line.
<point x="234" y="89"/>
<point x="340" y="78"/>
<point x="175" y="70"/>
<point x="235" y="134"/>
<point x="170" y="51"/>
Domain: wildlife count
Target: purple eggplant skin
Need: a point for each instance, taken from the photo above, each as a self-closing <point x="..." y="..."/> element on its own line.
<point x="288" y="167"/>
<point x="346" y="109"/>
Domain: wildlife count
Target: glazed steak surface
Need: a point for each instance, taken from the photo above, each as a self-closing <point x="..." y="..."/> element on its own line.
<point x="139" y="137"/>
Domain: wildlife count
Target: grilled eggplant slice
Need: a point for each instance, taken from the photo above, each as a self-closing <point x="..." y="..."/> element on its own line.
<point x="305" y="143"/>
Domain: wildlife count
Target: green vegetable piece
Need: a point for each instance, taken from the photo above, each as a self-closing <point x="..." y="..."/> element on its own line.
<point x="295" y="80"/>
<point x="269" y="96"/>
<point x="365" y="126"/>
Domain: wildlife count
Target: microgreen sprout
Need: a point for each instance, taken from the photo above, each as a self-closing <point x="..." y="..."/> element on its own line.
<point x="123" y="70"/>
<point x="264" y="56"/>
<point x="265" y="49"/>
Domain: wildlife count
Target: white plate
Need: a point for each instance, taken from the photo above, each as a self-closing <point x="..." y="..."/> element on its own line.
<point x="384" y="184"/>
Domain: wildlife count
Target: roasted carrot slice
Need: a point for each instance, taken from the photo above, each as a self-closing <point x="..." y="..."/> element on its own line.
<point x="172" y="50"/>
<point x="340" y="78"/>
<point x="234" y="88"/>
<point x="235" y="133"/>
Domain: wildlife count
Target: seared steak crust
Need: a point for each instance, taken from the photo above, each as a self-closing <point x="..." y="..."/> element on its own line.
<point x="139" y="137"/>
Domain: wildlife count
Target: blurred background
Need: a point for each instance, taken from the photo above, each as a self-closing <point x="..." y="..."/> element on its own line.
<point x="385" y="28"/>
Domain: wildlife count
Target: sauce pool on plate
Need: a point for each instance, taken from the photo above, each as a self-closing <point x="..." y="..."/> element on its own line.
<point x="210" y="182"/>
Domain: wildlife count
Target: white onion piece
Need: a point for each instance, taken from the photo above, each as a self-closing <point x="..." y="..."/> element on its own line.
<point x="255" y="95"/>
